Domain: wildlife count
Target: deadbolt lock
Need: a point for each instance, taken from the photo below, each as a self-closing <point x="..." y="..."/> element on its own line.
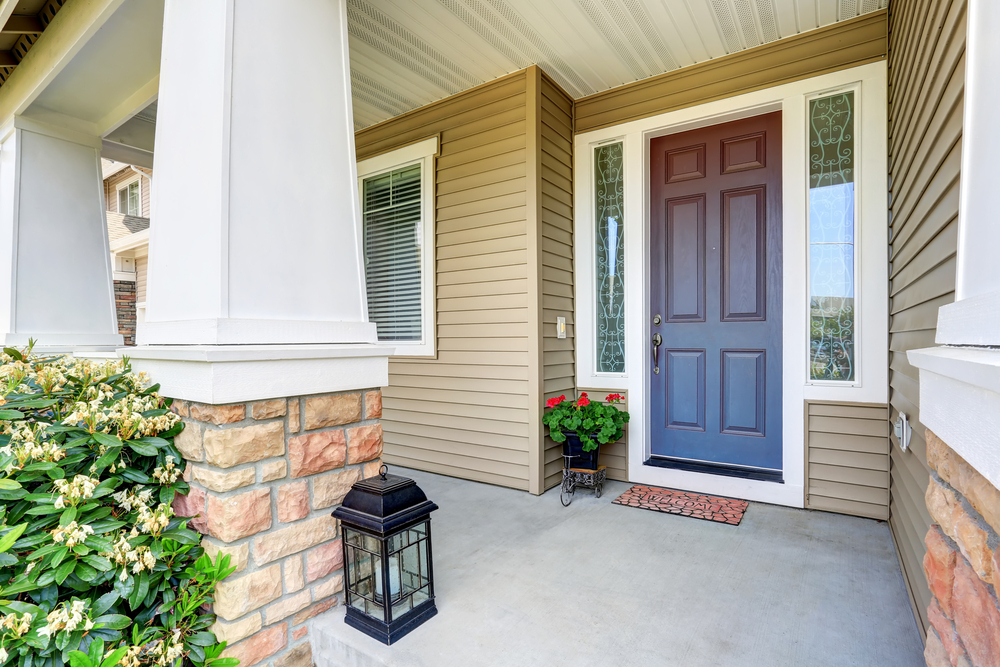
<point x="656" y="320"/>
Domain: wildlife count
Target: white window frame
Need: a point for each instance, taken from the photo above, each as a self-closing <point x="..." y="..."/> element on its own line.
<point x="593" y="255"/>
<point x="123" y="186"/>
<point x="421" y="153"/>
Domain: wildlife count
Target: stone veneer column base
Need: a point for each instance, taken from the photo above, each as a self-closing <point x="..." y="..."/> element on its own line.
<point x="264" y="478"/>
<point x="962" y="563"/>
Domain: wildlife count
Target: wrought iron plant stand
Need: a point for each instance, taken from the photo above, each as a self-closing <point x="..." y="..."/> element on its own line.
<point x="574" y="477"/>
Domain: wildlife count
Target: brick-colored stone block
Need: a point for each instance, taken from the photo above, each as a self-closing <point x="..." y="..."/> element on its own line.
<point x="940" y="503"/>
<point x="373" y="404"/>
<point x="328" y="588"/>
<point x="317" y="452"/>
<point x="297" y="656"/>
<point x="323" y="411"/>
<point x="314" y="610"/>
<point x="293" y="501"/>
<point x="273" y="470"/>
<point x="239" y="596"/>
<point x="234" y="632"/>
<point x="371" y="468"/>
<point x="935" y="654"/>
<point x="939" y="456"/>
<point x="945" y="631"/>
<point x="294" y="421"/>
<point x="977" y="617"/>
<point x="980" y="493"/>
<point x="261" y="646"/>
<point x="972" y="540"/>
<point x="239" y="555"/>
<point x="229" y="447"/>
<point x="300" y="633"/>
<point x="218" y="414"/>
<point x="364" y="443"/>
<point x="939" y="566"/>
<point x="188" y="442"/>
<point x="295" y="578"/>
<point x="324" y="560"/>
<point x="180" y="408"/>
<point x="235" y="517"/>
<point x="192" y="505"/>
<point x="216" y="480"/>
<point x="297" y="537"/>
<point x="330" y="489"/>
<point x="269" y="409"/>
<point x="285" y="608"/>
<point x="186" y="475"/>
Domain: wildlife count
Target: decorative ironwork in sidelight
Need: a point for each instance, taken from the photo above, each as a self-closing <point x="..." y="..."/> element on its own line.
<point x="610" y="245"/>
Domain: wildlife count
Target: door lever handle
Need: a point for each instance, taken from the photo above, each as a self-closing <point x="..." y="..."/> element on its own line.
<point x="657" y="341"/>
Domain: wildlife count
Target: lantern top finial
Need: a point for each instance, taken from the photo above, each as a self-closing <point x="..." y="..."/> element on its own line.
<point x="383" y="470"/>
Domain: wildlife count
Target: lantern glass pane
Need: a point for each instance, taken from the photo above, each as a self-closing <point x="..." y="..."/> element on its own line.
<point x="369" y="543"/>
<point x="402" y="607"/>
<point x="421" y="596"/>
<point x="414" y="570"/>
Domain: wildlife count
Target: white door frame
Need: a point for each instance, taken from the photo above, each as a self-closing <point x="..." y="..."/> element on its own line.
<point x="871" y="272"/>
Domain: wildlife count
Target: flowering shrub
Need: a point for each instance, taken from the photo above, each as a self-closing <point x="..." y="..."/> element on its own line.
<point x="95" y="570"/>
<point x="595" y="423"/>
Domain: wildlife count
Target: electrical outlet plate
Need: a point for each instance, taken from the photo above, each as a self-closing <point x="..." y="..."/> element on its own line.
<point x="560" y="327"/>
<point x="902" y="431"/>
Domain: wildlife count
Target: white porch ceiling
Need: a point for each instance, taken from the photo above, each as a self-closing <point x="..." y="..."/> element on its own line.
<point x="408" y="53"/>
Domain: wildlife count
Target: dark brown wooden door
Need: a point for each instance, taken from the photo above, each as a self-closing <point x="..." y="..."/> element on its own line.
<point x="715" y="244"/>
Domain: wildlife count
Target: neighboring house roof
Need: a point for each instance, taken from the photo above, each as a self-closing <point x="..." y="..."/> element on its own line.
<point x="110" y="167"/>
<point x="121" y="225"/>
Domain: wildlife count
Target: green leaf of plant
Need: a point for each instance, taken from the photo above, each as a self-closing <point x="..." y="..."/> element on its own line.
<point x="9" y="484"/>
<point x="113" y="621"/>
<point x="142" y="448"/>
<point x="79" y="659"/>
<point x="11" y="414"/>
<point x="202" y="639"/>
<point x="12" y="352"/>
<point x="64" y="571"/>
<point x="107" y="440"/>
<point x="7" y="541"/>
<point x="68" y="516"/>
<point x="182" y="535"/>
<point x="98" y="562"/>
<point x="225" y="662"/>
<point x="116" y="657"/>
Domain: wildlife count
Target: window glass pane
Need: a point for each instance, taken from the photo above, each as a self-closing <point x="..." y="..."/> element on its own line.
<point x="392" y="236"/>
<point x="134" y="205"/>
<point x="610" y="269"/>
<point x="831" y="238"/>
<point x="123" y="200"/>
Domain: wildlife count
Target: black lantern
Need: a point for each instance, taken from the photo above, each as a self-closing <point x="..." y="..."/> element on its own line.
<point x="387" y="556"/>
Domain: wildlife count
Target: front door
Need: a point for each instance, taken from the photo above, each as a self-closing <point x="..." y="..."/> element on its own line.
<point x="715" y="287"/>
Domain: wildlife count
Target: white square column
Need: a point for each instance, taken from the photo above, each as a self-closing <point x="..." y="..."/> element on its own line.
<point x="53" y="229"/>
<point x="256" y="280"/>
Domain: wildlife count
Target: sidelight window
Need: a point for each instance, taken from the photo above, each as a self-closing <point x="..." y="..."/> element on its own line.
<point x="610" y="257"/>
<point x="832" y="233"/>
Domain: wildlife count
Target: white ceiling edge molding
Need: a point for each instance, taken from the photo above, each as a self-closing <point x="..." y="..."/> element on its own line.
<point x="127" y="154"/>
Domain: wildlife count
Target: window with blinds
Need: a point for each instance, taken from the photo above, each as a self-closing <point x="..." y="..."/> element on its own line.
<point x="391" y="204"/>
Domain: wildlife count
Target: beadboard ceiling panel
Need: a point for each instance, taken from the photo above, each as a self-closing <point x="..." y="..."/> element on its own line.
<point x="408" y="53"/>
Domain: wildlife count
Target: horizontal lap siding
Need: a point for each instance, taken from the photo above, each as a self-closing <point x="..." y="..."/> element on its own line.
<point x="838" y="46"/>
<point x="848" y="458"/>
<point x="926" y="88"/>
<point x="556" y="278"/>
<point x="141" y="271"/>
<point x="465" y="413"/>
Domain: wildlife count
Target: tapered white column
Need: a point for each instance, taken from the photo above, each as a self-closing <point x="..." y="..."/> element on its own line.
<point x="256" y="284"/>
<point x="58" y="290"/>
<point x="255" y="229"/>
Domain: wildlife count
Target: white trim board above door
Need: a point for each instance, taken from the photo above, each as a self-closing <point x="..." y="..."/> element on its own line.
<point x="870" y="382"/>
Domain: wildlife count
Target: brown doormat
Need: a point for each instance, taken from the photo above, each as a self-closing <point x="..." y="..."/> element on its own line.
<point x="709" y="508"/>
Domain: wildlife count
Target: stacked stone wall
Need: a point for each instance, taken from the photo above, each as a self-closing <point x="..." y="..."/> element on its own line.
<point x="265" y="477"/>
<point x="962" y="562"/>
<point x="125" y="309"/>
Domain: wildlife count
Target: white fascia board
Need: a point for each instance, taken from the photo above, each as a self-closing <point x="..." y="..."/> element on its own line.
<point x="134" y="241"/>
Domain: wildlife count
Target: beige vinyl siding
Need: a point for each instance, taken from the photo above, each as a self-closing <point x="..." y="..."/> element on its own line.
<point x="465" y="413"/>
<point x="926" y="82"/>
<point x="124" y="176"/>
<point x="141" y="269"/>
<point x="615" y="455"/>
<point x="556" y="227"/>
<point x="834" y="47"/>
<point x="848" y="458"/>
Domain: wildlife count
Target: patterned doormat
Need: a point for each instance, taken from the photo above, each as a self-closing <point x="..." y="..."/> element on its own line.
<point x="709" y="508"/>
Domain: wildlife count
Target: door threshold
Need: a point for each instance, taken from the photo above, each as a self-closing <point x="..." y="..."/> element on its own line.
<point x="716" y="469"/>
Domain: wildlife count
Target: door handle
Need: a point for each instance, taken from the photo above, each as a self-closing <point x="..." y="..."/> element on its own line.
<point x="657" y="341"/>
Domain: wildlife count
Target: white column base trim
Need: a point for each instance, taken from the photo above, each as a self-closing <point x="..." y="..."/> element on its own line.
<point x="230" y="374"/>
<point x="65" y="341"/>
<point x="972" y="321"/>
<point x="225" y="331"/>
<point x="960" y="402"/>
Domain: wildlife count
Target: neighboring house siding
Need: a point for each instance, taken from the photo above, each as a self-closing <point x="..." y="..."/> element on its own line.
<point x="926" y="88"/>
<point x="112" y="182"/>
<point x="848" y="458"/>
<point x="555" y="140"/>
<point x="466" y="412"/>
<point x="141" y="269"/>
<point x="839" y="46"/>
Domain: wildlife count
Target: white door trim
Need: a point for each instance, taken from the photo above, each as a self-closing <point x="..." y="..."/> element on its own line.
<point x="870" y="82"/>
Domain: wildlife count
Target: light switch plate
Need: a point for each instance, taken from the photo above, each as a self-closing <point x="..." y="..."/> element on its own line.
<point x="560" y="327"/>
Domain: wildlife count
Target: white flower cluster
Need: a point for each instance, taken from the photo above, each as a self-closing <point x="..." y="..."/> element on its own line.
<point x="124" y="554"/>
<point x="125" y="414"/>
<point x="16" y="625"/>
<point x="72" y="534"/>
<point x="168" y="473"/>
<point x="151" y="521"/>
<point x="50" y="378"/>
<point x="26" y="446"/>
<point x="71" y="493"/>
<point x="67" y="617"/>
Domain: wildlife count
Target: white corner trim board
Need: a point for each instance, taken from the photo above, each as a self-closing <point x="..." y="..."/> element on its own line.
<point x="960" y="402"/>
<point x="869" y="83"/>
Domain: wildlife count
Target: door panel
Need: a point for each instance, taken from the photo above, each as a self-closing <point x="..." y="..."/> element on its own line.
<point x="715" y="278"/>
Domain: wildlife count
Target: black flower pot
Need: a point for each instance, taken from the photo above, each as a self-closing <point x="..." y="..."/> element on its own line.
<point x="580" y="459"/>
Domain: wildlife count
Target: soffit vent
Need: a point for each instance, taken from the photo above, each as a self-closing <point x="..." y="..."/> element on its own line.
<point x="872" y="5"/>
<point x="614" y="38"/>
<point x="768" y="24"/>
<point x="727" y="26"/>
<point x="748" y="26"/>
<point x="645" y="23"/>
<point x="848" y="9"/>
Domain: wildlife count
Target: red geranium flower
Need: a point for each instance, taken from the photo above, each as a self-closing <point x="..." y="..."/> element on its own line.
<point x="583" y="401"/>
<point x="614" y="397"/>
<point x="553" y="402"/>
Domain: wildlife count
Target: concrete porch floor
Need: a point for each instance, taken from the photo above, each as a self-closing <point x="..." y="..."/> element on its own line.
<point x="521" y="580"/>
